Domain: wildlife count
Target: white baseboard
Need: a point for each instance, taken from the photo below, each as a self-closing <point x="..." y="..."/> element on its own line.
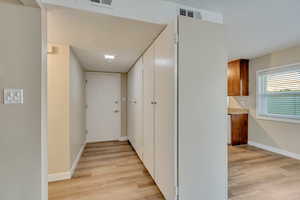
<point x="67" y="175"/>
<point x="123" y="138"/>
<point x="76" y="161"/>
<point x="59" y="176"/>
<point x="275" y="150"/>
<point x="106" y="140"/>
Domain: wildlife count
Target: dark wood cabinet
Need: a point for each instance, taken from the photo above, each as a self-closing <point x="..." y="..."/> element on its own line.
<point x="239" y="129"/>
<point x="238" y="78"/>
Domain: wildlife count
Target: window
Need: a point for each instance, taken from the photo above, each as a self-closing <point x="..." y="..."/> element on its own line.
<point x="278" y="93"/>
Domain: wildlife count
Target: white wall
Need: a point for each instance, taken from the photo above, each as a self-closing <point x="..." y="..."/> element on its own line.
<point x="154" y="11"/>
<point x="281" y="135"/>
<point x="66" y="109"/>
<point x="58" y="109"/>
<point x="20" y="125"/>
<point x="202" y="110"/>
<point x="77" y="107"/>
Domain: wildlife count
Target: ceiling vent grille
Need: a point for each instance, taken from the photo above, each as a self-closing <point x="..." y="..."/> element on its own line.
<point x="106" y="3"/>
<point x="190" y="13"/>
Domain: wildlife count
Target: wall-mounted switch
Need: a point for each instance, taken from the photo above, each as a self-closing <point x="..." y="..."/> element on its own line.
<point x="13" y="96"/>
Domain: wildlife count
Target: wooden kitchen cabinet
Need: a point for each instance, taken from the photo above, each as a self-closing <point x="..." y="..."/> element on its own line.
<point x="239" y="129"/>
<point x="238" y="78"/>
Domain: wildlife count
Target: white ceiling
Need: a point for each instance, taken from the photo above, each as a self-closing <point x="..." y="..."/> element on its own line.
<point x="256" y="27"/>
<point x="91" y="36"/>
<point x="253" y="28"/>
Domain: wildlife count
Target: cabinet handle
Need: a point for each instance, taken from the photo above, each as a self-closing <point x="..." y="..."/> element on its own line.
<point x="153" y="102"/>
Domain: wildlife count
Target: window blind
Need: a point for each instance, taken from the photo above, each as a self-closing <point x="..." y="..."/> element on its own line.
<point x="279" y="92"/>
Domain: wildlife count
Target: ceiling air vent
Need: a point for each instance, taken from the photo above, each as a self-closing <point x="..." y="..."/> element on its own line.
<point x="190" y="13"/>
<point x="106" y="3"/>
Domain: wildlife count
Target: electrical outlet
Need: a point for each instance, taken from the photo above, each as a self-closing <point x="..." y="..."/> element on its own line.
<point x="13" y="96"/>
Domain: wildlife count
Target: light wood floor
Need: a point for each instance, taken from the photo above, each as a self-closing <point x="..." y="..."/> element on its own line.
<point x="260" y="175"/>
<point x="107" y="171"/>
<point x="112" y="171"/>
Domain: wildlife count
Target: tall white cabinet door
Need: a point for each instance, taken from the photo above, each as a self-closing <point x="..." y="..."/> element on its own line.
<point x="165" y="112"/>
<point x="149" y="104"/>
<point x="135" y="107"/>
<point x="139" y="114"/>
<point x="130" y="108"/>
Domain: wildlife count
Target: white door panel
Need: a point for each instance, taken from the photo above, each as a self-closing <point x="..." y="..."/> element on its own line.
<point x="103" y="114"/>
<point x="139" y="133"/>
<point x="149" y="106"/>
<point x="135" y="107"/>
<point x="165" y="112"/>
<point x="130" y="108"/>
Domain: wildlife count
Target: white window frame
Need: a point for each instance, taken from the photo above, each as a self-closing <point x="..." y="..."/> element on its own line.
<point x="259" y="107"/>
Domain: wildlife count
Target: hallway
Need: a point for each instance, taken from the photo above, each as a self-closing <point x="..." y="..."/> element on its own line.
<point x="107" y="171"/>
<point x="113" y="171"/>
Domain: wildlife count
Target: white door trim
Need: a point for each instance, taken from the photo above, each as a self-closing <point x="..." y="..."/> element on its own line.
<point x="44" y="105"/>
<point x="176" y="175"/>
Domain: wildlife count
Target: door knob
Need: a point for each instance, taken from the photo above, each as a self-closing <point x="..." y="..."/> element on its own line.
<point x="116" y="111"/>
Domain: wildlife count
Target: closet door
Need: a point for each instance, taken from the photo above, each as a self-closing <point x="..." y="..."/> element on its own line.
<point x="139" y="105"/>
<point x="165" y="112"/>
<point x="130" y="107"/>
<point x="135" y="107"/>
<point x="149" y="106"/>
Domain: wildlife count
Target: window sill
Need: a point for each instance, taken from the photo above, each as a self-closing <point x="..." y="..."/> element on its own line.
<point x="286" y="120"/>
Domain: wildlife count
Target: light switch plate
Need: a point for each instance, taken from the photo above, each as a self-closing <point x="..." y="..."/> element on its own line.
<point x="13" y="96"/>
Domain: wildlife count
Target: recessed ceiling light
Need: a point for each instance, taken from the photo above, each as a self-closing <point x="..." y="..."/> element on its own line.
<point x="109" y="57"/>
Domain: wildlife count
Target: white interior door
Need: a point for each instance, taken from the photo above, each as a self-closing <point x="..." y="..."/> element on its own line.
<point x="103" y="93"/>
<point x="135" y="107"/>
<point x="130" y="108"/>
<point x="149" y="106"/>
<point x="165" y="112"/>
<point x="139" y="110"/>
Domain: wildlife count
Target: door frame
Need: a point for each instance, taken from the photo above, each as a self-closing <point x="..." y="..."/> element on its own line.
<point x="44" y="103"/>
<point x="176" y="116"/>
<point x="120" y="101"/>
